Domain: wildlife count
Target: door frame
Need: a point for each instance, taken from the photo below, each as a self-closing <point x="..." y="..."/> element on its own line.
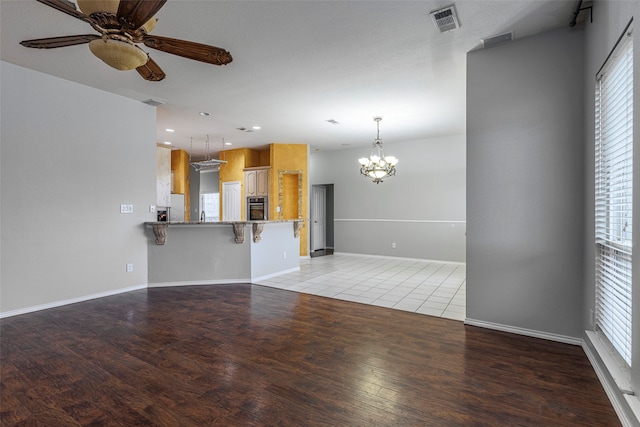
<point x="315" y="191"/>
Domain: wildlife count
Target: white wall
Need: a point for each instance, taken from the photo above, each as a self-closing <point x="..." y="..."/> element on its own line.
<point x="70" y="155"/>
<point x="422" y="209"/>
<point x="525" y="172"/>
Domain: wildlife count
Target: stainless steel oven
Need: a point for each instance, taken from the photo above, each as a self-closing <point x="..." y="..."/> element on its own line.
<point x="257" y="208"/>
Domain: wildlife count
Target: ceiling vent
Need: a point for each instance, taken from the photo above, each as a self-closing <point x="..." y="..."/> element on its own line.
<point x="153" y="102"/>
<point x="496" y="40"/>
<point x="445" y="19"/>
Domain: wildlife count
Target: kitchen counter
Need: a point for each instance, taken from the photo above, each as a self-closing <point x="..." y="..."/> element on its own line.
<point x="160" y="228"/>
<point x="199" y="253"/>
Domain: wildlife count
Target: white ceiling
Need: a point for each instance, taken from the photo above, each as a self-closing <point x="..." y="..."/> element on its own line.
<point x="295" y="65"/>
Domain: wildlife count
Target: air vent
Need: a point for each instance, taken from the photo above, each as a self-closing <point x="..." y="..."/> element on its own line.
<point x="154" y="102"/>
<point x="496" y="40"/>
<point x="445" y="19"/>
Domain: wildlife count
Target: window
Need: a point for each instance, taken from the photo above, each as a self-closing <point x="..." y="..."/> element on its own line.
<point x="613" y="196"/>
<point x="210" y="205"/>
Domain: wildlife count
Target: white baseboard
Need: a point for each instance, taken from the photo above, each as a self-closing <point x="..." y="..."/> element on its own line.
<point x="403" y="258"/>
<point x="70" y="301"/>
<point x="522" y="331"/>
<point x="199" y="283"/>
<point x="272" y="275"/>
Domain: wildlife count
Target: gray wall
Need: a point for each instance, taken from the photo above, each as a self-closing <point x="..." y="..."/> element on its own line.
<point x="208" y="254"/>
<point x="421" y="209"/>
<point x="194" y="193"/>
<point x="199" y="255"/>
<point x="525" y="168"/>
<point x="70" y="156"/>
<point x="210" y="182"/>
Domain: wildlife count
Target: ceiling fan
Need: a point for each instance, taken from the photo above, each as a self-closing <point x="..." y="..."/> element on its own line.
<point x="122" y="24"/>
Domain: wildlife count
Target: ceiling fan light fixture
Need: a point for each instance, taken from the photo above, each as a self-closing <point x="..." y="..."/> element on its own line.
<point x="150" y="25"/>
<point x="98" y="6"/>
<point x="118" y="54"/>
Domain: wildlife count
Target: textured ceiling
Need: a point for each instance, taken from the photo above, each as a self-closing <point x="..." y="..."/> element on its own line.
<point x="296" y="64"/>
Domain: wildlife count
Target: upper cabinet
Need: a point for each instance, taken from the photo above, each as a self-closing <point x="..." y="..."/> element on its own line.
<point x="256" y="182"/>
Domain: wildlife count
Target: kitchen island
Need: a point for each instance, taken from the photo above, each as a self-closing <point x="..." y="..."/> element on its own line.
<point x="206" y="253"/>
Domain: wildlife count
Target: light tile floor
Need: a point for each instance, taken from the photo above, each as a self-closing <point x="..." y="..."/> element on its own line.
<point x="425" y="287"/>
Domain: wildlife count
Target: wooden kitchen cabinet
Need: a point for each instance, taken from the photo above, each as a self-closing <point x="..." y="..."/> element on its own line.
<point x="256" y="182"/>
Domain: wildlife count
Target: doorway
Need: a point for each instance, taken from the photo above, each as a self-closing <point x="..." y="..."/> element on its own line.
<point x="321" y="220"/>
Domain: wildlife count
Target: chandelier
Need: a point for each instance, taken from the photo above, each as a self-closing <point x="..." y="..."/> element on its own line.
<point x="208" y="163"/>
<point x="378" y="166"/>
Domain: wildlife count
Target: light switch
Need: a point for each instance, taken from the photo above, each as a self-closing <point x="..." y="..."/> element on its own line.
<point x="126" y="208"/>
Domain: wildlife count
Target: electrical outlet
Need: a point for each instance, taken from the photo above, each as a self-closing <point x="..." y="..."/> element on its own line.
<point x="393" y="245"/>
<point x="129" y="268"/>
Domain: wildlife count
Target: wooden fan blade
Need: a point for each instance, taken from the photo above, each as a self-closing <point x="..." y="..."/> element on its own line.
<point x="62" y="41"/>
<point x="133" y="14"/>
<point x="196" y="51"/>
<point x="64" y="7"/>
<point x="151" y="71"/>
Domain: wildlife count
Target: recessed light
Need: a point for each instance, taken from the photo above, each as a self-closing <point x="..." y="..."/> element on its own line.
<point x="202" y="113"/>
<point x="167" y="143"/>
<point x="228" y="143"/>
<point x="170" y="130"/>
<point x="257" y="127"/>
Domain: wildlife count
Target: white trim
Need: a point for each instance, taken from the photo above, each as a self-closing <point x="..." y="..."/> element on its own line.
<point x="404" y="258"/>
<point x="272" y="275"/>
<point x="613" y="363"/>
<point x="427" y="221"/>
<point x="634" y="404"/>
<point x="617" y="399"/>
<point x="522" y="331"/>
<point x="200" y="283"/>
<point x="70" y="301"/>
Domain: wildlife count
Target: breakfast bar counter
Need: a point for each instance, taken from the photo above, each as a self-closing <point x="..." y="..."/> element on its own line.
<point x="201" y="253"/>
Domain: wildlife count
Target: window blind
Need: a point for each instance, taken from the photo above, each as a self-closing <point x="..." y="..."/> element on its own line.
<point x="613" y="196"/>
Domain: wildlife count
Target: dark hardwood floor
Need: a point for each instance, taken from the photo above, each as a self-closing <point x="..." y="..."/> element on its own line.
<point x="246" y="355"/>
